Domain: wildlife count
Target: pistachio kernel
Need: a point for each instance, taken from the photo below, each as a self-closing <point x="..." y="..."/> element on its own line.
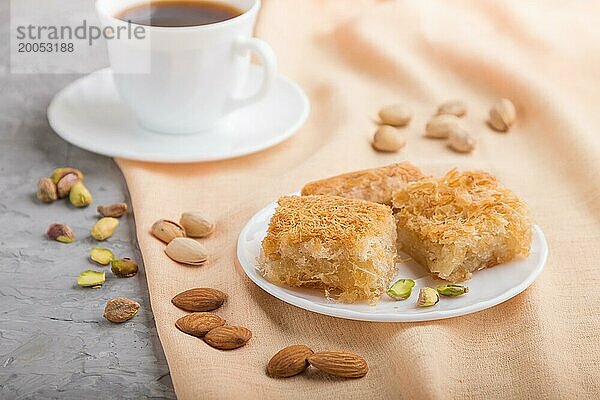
<point x="101" y="256"/>
<point x="61" y="233"/>
<point x="46" y="191"/>
<point x="452" y="290"/>
<point x="114" y="210"/>
<point x="120" y="310"/>
<point x="401" y="289"/>
<point x="428" y="297"/>
<point x="58" y="173"/>
<point x="65" y="184"/>
<point x="90" y="278"/>
<point x="124" y="267"/>
<point x="79" y="196"/>
<point x="104" y="228"/>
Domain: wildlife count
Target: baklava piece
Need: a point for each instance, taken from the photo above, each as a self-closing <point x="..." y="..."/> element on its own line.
<point x="461" y="223"/>
<point x="344" y="246"/>
<point x="376" y="184"/>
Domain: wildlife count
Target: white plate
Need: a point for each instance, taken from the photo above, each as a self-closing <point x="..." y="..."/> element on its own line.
<point x="89" y="114"/>
<point x="487" y="288"/>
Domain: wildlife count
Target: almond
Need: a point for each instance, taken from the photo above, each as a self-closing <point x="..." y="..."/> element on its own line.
<point x="199" y="323"/>
<point x="228" y="337"/>
<point x="199" y="299"/>
<point x="339" y="363"/>
<point x="289" y="361"/>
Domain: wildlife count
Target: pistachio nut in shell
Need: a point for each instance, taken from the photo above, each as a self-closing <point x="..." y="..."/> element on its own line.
<point x="61" y="233"/>
<point x="167" y="230"/>
<point x="104" y="228"/>
<point x="58" y="173"/>
<point x="79" y="196"/>
<point x="196" y="225"/>
<point x="46" y="191"/>
<point x="454" y="107"/>
<point x="199" y="323"/>
<point x="428" y="297"/>
<point x="199" y="299"/>
<point x="186" y="251"/>
<point x="440" y="126"/>
<point x="113" y="210"/>
<point x="91" y="278"/>
<point x="120" y="310"/>
<point x="401" y="289"/>
<point x="65" y="184"/>
<point x="124" y="267"/>
<point x="395" y="115"/>
<point x="502" y="115"/>
<point x="101" y="256"/>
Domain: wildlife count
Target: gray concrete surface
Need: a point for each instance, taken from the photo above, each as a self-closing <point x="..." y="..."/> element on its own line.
<point x="54" y="342"/>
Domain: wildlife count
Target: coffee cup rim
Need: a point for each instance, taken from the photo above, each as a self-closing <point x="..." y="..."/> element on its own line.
<point x="216" y="25"/>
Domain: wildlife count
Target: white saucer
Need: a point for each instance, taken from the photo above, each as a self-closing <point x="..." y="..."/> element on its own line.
<point x="89" y="114"/>
<point x="487" y="288"/>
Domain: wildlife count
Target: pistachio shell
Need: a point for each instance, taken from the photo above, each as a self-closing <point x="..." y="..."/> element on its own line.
<point x="186" y="251"/>
<point x="196" y="225"/>
<point x="454" y="107"/>
<point x="167" y="230"/>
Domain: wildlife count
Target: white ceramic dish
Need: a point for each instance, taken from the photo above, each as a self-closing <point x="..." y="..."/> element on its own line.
<point x="89" y="114"/>
<point x="487" y="288"/>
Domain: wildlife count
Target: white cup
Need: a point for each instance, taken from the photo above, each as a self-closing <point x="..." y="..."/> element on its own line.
<point x="182" y="80"/>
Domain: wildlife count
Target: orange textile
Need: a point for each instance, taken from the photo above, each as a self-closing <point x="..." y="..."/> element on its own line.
<point x="352" y="57"/>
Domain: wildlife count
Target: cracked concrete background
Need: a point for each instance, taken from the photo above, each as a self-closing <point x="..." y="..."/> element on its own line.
<point x="54" y="342"/>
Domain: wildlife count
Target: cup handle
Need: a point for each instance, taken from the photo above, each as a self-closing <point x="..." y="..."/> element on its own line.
<point x="241" y="46"/>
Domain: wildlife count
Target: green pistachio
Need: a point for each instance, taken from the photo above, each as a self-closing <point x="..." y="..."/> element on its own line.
<point x="91" y="278"/>
<point x="101" y="256"/>
<point x="452" y="290"/>
<point x="124" y="267"/>
<point x="79" y="196"/>
<point x="428" y="297"/>
<point x="60" y="233"/>
<point x="59" y="173"/>
<point x="104" y="228"/>
<point x="401" y="289"/>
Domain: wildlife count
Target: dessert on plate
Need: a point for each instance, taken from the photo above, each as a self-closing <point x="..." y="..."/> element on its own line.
<point x="461" y="223"/>
<point x="375" y="184"/>
<point x="344" y="246"/>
